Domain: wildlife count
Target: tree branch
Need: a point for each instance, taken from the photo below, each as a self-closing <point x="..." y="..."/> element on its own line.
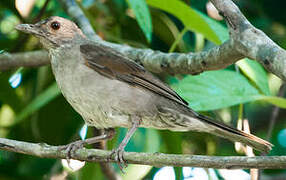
<point x="154" y="159"/>
<point x="154" y="61"/>
<point x="252" y="42"/>
<point x="158" y="62"/>
<point x="26" y="59"/>
<point x="245" y="41"/>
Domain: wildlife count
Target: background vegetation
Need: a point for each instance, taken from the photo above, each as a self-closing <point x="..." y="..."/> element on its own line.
<point x="33" y="110"/>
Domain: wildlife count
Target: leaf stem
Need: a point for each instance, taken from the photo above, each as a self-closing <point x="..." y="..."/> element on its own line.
<point x="177" y="40"/>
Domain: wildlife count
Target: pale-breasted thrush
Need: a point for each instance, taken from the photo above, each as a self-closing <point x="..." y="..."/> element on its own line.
<point x="109" y="90"/>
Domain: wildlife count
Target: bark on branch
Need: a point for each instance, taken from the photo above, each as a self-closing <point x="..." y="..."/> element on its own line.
<point x="25" y="59"/>
<point x="250" y="41"/>
<point x="245" y="41"/>
<point x="158" y="62"/>
<point x="154" y="61"/>
<point x="154" y="159"/>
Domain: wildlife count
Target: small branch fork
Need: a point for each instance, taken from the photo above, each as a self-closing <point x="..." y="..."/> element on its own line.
<point x="153" y="159"/>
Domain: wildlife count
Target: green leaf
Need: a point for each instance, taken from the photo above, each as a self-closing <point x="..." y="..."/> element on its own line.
<point x="143" y="16"/>
<point x="278" y="101"/>
<point x="256" y="73"/>
<point x="189" y="17"/>
<point x="220" y="30"/>
<point x="216" y="89"/>
<point x="41" y="100"/>
<point x="177" y="40"/>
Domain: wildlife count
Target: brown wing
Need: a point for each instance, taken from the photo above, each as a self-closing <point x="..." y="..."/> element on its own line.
<point x="114" y="65"/>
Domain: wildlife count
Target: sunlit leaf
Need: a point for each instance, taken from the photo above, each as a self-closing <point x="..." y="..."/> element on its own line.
<point x="7" y="25"/>
<point x="166" y="30"/>
<point x="6" y="115"/>
<point x="256" y="73"/>
<point x="216" y="89"/>
<point x="278" y="101"/>
<point x="177" y="40"/>
<point x="220" y="30"/>
<point x="143" y="16"/>
<point x="135" y="172"/>
<point x="42" y="99"/>
<point x="189" y="17"/>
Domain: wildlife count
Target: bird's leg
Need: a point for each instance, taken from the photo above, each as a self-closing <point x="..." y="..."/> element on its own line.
<point x="72" y="147"/>
<point x="118" y="152"/>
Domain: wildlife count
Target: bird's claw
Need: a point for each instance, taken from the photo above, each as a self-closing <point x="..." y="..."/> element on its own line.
<point x="72" y="148"/>
<point x="118" y="156"/>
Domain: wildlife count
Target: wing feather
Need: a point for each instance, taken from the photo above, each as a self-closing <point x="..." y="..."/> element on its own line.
<point x="114" y="65"/>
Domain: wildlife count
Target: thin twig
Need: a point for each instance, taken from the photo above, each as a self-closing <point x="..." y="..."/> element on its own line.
<point x="42" y="11"/>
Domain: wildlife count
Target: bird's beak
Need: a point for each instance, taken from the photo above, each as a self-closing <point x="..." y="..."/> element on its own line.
<point x="28" y="28"/>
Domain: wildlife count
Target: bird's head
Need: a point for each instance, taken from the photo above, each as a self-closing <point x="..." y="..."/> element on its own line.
<point x="53" y="32"/>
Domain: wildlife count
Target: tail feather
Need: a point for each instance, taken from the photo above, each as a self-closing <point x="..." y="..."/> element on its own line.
<point x="236" y="135"/>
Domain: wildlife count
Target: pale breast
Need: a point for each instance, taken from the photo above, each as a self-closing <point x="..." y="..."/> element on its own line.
<point x="101" y="101"/>
<point x="115" y="99"/>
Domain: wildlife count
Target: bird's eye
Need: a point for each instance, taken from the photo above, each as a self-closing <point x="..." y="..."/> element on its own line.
<point x="55" y="25"/>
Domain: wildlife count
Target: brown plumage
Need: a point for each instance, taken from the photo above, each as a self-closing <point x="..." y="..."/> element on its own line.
<point x="109" y="90"/>
<point x="115" y="65"/>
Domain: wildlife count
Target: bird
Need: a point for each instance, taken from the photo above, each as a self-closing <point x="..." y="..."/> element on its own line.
<point x="109" y="90"/>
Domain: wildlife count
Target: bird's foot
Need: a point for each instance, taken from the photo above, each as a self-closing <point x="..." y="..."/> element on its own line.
<point x="72" y="148"/>
<point x="118" y="156"/>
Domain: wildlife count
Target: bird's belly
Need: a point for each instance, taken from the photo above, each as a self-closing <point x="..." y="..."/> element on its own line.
<point x="97" y="110"/>
<point x="104" y="102"/>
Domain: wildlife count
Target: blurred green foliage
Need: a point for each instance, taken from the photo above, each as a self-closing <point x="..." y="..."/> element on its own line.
<point x="35" y="111"/>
